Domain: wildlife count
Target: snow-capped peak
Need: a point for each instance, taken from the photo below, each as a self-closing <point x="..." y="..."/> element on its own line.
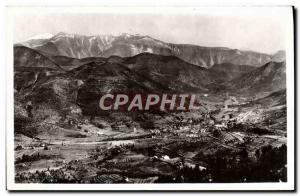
<point x="41" y="36"/>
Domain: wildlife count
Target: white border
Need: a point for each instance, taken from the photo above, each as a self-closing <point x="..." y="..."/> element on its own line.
<point x="114" y="187"/>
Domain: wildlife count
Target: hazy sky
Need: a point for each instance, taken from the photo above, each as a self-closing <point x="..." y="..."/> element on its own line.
<point x="262" y="33"/>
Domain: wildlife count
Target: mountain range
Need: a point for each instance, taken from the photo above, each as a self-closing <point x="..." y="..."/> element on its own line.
<point x="47" y="72"/>
<point x="127" y="45"/>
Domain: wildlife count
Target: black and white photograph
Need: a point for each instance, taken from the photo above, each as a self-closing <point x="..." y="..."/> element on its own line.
<point x="150" y="98"/>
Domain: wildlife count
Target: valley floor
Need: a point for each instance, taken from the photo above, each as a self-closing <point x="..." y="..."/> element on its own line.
<point x="250" y="147"/>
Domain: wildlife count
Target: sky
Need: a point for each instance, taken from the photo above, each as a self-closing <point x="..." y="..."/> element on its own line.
<point x="264" y="32"/>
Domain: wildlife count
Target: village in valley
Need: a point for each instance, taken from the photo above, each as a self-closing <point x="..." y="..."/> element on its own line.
<point x="174" y="147"/>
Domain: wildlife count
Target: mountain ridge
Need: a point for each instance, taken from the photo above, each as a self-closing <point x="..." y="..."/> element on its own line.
<point x="126" y="45"/>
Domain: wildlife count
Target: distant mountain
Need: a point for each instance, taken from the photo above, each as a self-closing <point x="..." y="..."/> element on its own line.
<point x="279" y="56"/>
<point x="269" y="78"/>
<point x="226" y="71"/>
<point x="31" y="66"/>
<point x="170" y="72"/>
<point x="106" y="77"/>
<point x="40" y="36"/>
<point x="72" y="45"/>
<point x="69" y="63"/>
<point x="126" y="45"/>
<point x="146" y="72"/>
<point x="63" y="82"/>
<point x="27" y="57"/>
<point x="82" y="86"/>
<point x="176" y="73"/>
